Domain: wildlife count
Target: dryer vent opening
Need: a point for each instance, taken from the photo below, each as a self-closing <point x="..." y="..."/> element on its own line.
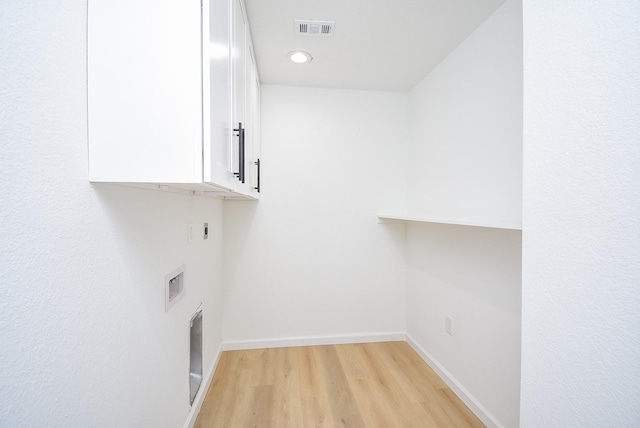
<point x="195" y="355"/>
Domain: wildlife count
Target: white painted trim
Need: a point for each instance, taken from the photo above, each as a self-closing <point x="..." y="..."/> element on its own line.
<point x="284" y="342"/>
<point x="204" y="387"/>
<point x="472" y="403"/>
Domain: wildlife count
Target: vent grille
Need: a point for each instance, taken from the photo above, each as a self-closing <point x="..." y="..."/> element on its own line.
<point x="314" y="28"/>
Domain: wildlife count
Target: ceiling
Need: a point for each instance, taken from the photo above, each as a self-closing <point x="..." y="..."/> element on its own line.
<point x="377" y="44"/>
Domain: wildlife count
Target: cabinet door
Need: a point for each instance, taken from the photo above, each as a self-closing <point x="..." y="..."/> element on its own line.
<point x="241" y="155"/>
<point x="253" y="121"/>
<point x="218" y="127"/>
<point x="144" y="91"/>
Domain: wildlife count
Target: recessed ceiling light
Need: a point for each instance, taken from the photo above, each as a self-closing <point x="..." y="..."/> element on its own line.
<point x="300" y="57"/>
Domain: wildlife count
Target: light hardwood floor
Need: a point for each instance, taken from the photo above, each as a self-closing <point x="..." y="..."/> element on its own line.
<point x="359" y="385"/>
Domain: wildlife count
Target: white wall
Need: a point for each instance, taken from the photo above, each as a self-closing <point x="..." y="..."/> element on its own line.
<point x="471" y="274"/>
<point x="310" y="259"/>
<point x="465" y="164"/>
<point x="465" y="159"/>
<point x="581" y="251"/>
<point x="85" y="338"/>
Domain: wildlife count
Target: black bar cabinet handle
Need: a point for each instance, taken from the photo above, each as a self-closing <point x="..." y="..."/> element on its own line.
<point x="257" y="163"/>
<point x="242" y="154"/>
<point x="240" y="173"/>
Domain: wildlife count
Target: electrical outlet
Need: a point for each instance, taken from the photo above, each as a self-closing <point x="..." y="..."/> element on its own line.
<point x="448" y="325"/>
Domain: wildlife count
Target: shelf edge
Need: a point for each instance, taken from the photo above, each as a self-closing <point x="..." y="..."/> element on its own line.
<point x="390" y="218"/>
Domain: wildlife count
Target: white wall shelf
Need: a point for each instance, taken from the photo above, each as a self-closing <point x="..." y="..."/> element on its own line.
<point x="389" y="218"/>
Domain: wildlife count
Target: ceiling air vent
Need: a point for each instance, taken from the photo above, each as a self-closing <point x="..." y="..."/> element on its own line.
<point x="313" y="28"/>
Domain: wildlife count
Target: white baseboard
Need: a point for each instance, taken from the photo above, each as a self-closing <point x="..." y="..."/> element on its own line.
<point x="284" y="342"/>
<point x="472" y="403"/>
<point x="204" y="387"/>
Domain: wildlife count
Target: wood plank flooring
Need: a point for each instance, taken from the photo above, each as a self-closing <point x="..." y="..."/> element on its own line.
<point x="360" y="385"/>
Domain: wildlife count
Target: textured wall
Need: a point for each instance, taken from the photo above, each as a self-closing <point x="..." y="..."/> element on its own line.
<point x="581" y="251"/>
<point x="85" y="338"/>
<point x="310" y="258"/>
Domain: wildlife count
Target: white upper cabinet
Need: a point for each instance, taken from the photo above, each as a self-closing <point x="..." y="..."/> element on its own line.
<point x="244" y="72"/>
<point x="253" y="122"/>
<point x="161" y="94"/>
<point x="217" y="81"/>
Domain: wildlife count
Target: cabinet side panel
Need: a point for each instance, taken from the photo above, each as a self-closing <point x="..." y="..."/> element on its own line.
<point x="144" y="80"/>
